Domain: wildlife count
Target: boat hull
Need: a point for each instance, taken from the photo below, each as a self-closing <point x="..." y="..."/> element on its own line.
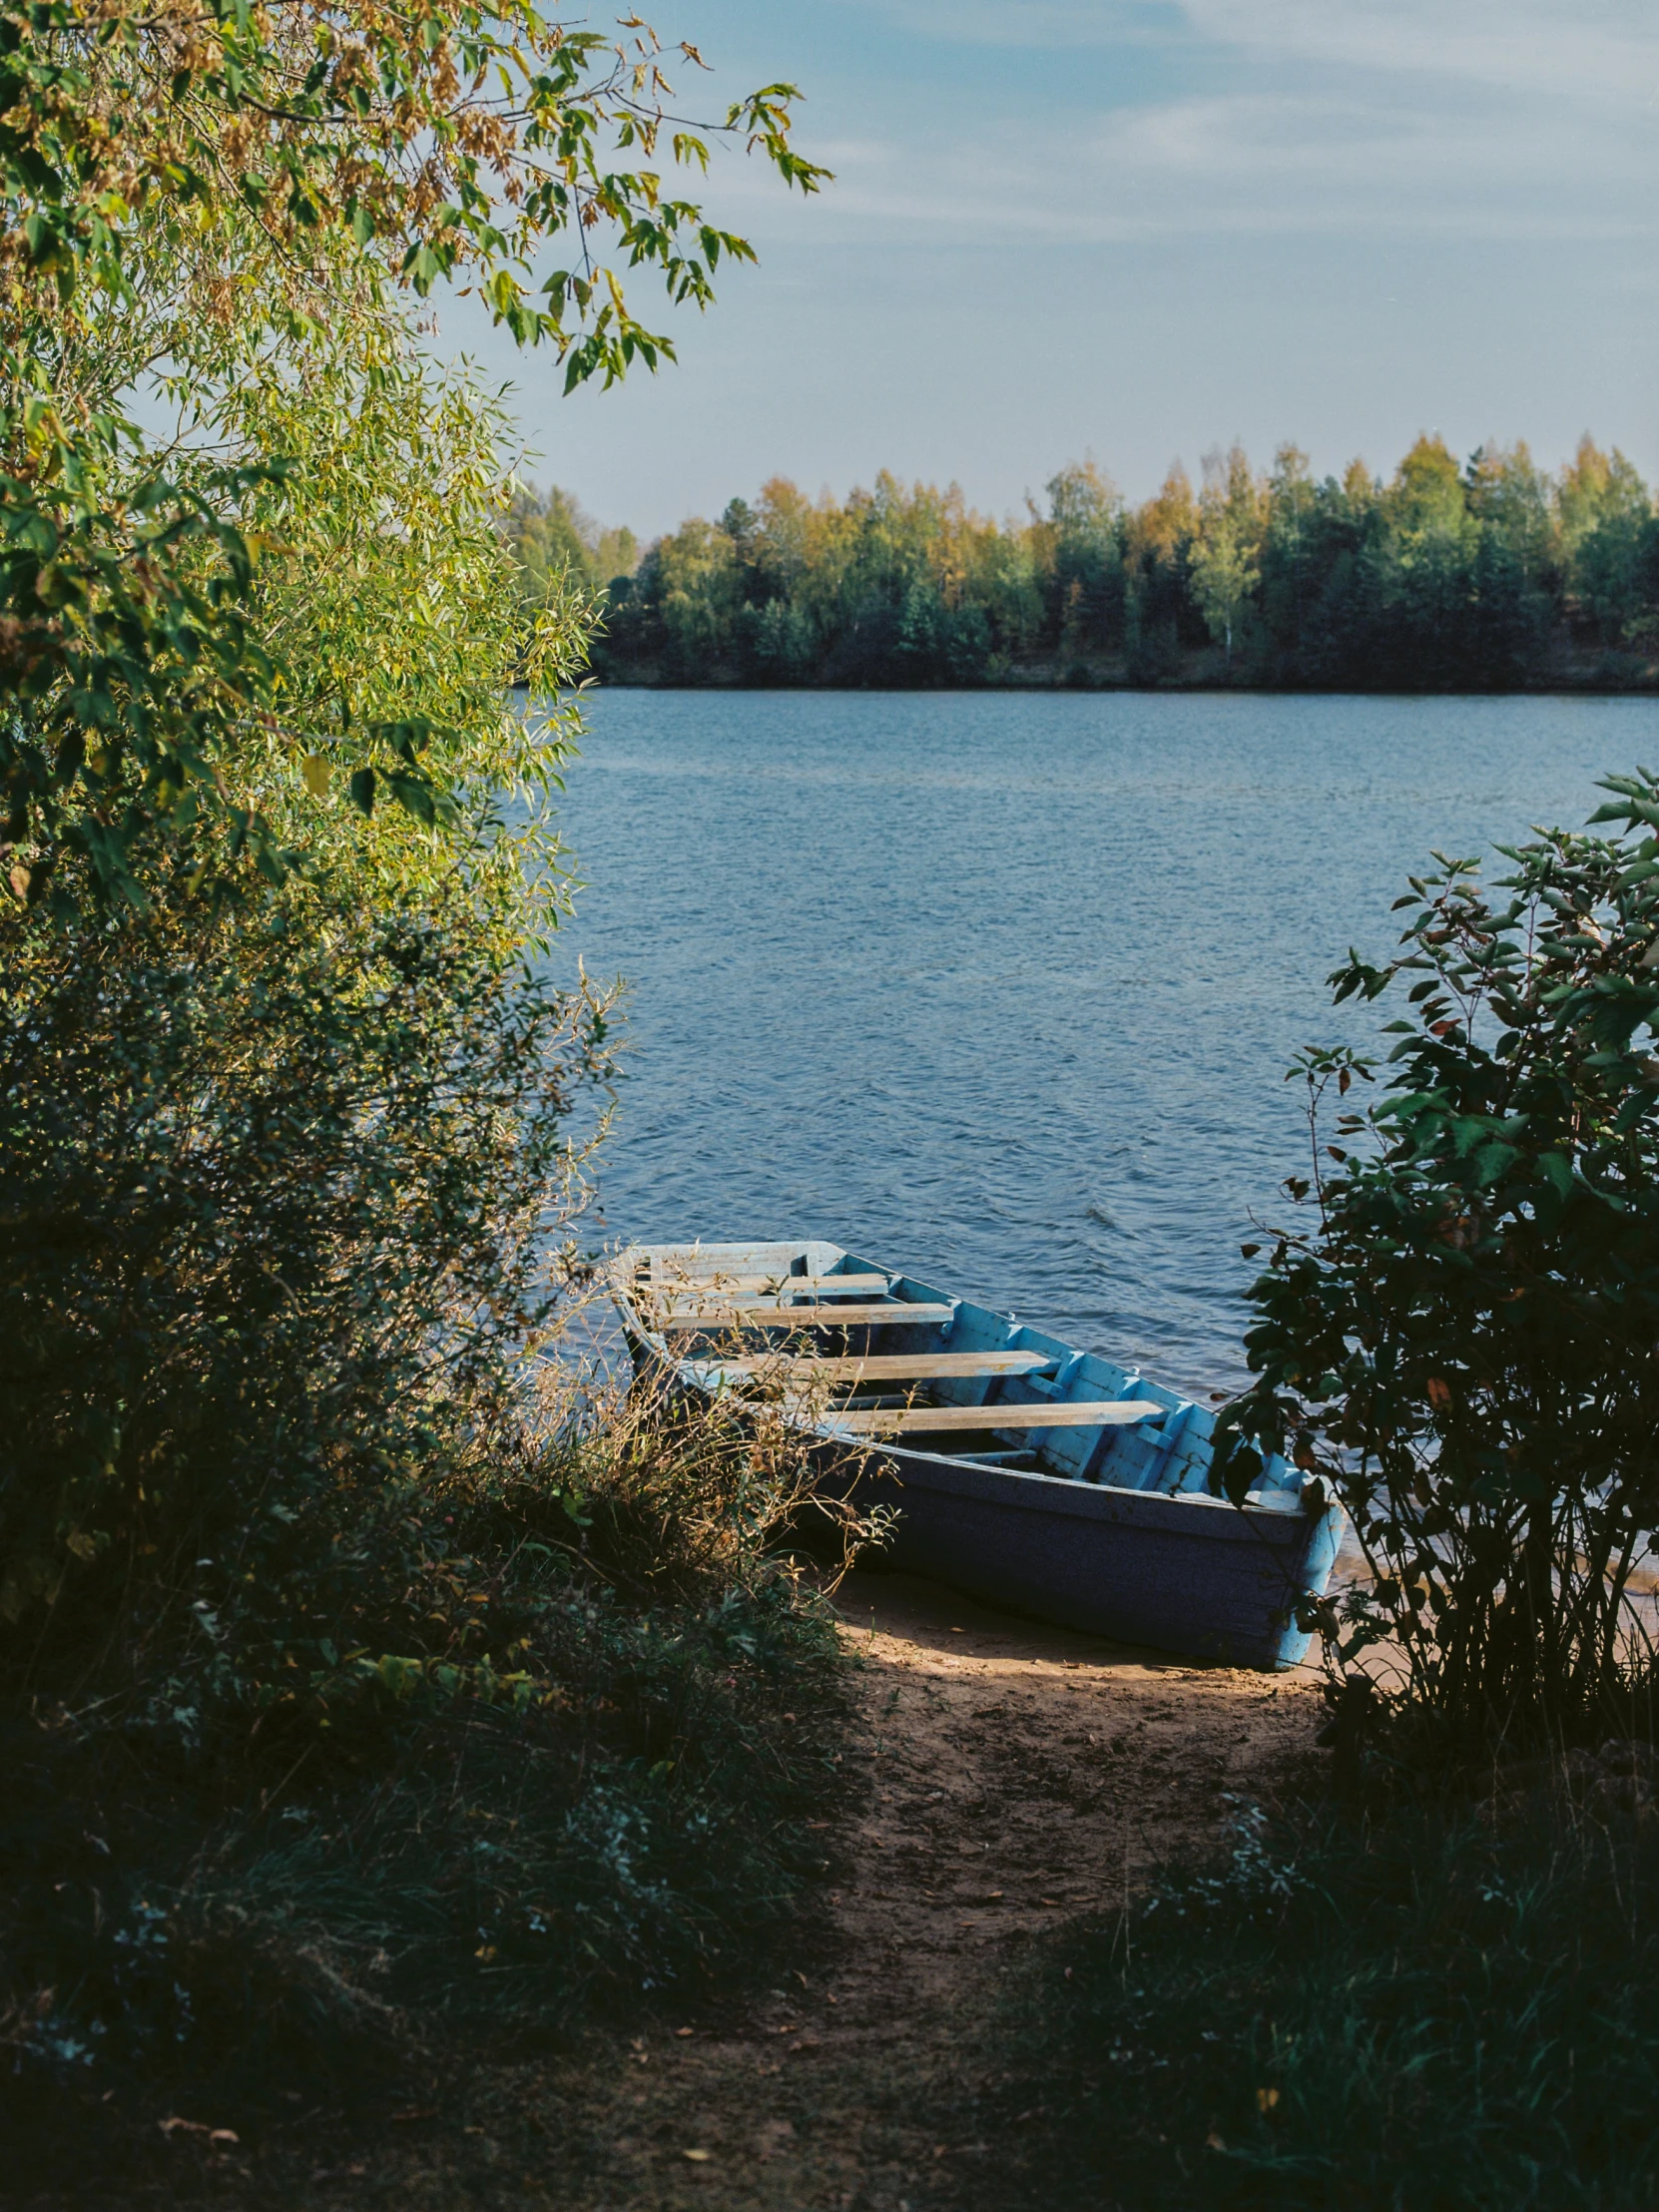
<point x="1185" y="1574"/>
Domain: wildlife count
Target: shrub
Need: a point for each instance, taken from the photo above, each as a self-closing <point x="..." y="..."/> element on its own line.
<point x="500" y="1751"/>
<point x="1464" y="1343"/>
<point x="275" y="1185"/>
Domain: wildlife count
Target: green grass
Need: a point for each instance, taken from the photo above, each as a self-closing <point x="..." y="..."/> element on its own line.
<point x="582" y="1792"/>
<point x="1417" y="2010"/>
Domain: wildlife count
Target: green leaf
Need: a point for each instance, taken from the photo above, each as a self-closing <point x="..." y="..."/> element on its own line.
<point x="1557" y="1171"/>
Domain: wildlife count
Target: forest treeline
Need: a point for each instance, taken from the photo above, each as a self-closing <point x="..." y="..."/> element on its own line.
<point x="1492" y="574"/>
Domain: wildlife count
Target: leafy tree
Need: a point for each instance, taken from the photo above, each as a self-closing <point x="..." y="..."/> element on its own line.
<point x="738" y="523"/>
<point x="1288" y="553"/>
<point x="284" y="163"/>
<point x="1317" y="600"/>
<point x="380" y="601"/>
<point x="258" y="1123"/>
<point x="1223" y="578"/>
<point x="1461" y="1341"/>
<point x="277" y="1169"/>
<point x="793" y="540"/>
<point x="1007" y="581"/>
<point x="1515" y="565"/>
<point x="785" y="643"/>
<point x="697" y="584"/>
<point x="1224" y="568"/>
<point x="1612" y="549"/>
<point x="1510" y="496"/>
<point x="1420" y="562"/>
<point x="1084" y="559"/>
<point x="557" y="542"/>
<point x="293" y="1115"/>
<point x="1584" y="486"/>
<point x="1158" y="546"/>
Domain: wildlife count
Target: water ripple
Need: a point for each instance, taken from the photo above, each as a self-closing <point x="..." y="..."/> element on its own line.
<point x="1002" y="988"/>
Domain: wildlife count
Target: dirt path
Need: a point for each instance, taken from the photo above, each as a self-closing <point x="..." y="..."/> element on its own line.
<point x="1016" y="1774"/>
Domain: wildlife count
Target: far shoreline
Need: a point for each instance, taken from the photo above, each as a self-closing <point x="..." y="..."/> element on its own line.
<point x="593" y="683"/>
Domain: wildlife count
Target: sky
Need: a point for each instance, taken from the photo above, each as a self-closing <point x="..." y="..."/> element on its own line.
<point x="1137" y="229"/>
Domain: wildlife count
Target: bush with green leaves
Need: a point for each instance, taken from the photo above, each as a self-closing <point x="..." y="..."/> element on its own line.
<point x="1463" y="1341"/>
<point x="276" y="1186"/>
<point x="282" y="1148"/>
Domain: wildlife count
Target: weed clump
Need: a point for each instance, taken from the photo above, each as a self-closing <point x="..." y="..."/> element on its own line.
<point x="542" y="1746"/>
<point x="1434" y="2008"/>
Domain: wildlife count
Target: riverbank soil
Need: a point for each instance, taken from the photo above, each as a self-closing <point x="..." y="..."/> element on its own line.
<point x="1012" y="1776"/>
<point x="1007" y="1776"/>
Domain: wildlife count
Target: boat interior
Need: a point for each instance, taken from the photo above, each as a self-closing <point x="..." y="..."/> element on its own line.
<point x="873" y="1358"/>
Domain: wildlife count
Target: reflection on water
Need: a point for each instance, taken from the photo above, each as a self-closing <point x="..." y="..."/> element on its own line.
<point x="1001" y="988"/>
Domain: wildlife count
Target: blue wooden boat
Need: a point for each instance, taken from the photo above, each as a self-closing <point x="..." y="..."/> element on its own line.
<point x="1042" y="1479"/>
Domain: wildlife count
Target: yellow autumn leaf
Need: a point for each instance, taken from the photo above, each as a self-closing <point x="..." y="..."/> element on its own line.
<point x="314" y="770"/>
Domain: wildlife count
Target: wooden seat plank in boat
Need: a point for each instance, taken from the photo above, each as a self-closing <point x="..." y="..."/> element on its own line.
<point x="810" y="1316"/>
<point x="1043" y="1413"/>
<point x="741" y="1302"/>
<point x="755" y="1285"/>
<point x="882" y="1367"/>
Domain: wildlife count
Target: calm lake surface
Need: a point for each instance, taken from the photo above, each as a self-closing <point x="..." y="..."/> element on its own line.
<point x="1001" y="988"/>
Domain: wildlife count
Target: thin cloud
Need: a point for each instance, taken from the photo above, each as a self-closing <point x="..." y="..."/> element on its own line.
<point x="1606" y="51"/>
<point x="1237" y="162"/>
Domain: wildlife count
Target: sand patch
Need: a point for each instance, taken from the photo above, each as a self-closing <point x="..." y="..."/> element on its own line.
<point x="1010" y="1775"/>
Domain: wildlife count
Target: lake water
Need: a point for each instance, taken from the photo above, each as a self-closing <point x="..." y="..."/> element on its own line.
<point x="1001" y="988"/>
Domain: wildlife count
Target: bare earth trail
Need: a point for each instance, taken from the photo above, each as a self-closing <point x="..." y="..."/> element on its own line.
<point x="1012" y="1776"/>
<point x="1004" y="1778"/>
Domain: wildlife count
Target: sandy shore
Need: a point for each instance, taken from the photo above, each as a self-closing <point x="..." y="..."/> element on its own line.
<point x="1010" y="1775"/>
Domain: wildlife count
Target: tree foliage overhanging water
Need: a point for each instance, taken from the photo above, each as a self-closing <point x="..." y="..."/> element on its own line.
<point x="286" y="1114"/>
